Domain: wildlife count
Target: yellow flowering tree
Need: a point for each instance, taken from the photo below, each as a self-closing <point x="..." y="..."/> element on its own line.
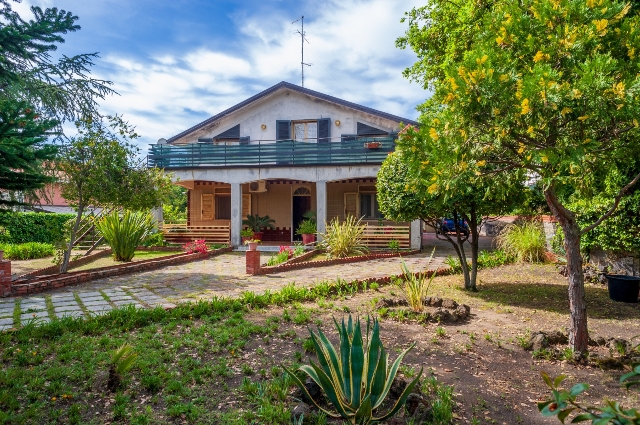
<point x="546" y="86"/>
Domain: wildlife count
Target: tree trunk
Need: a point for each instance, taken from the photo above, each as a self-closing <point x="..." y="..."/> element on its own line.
<point x="67" y="254"/>
<point x="578" y="332"/>
<point x="460" y="249"/>
<point x="473" y="228"/>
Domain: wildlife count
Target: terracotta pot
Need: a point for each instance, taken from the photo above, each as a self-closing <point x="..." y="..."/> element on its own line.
<point x="253" y="246"/>
<point x="246" y="238"/>
<point x="308" y="238"/>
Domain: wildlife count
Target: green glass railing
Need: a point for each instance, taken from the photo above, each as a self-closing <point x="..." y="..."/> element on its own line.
<point x="365" y="150"/>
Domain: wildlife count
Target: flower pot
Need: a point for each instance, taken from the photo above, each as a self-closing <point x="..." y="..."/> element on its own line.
<point x="623" y="288"/>
<point x="253" y="246"/>
<point x="258" y="235"/>
<point x="246" y="238"/>
<point x="308" y="238"/>
<point x="372" y="145"/>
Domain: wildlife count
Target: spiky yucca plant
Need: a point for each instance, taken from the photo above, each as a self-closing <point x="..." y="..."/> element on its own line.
<point x="357" y="379"/>
<point x="344" y="239"/>
<point x="125" y="233"/>
<point x="415" y="286"/>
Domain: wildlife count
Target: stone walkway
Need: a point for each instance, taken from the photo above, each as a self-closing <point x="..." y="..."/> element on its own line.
<point x="219" y="276"/>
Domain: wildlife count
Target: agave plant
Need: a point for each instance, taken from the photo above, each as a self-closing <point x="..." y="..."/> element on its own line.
<point x="357" y="379"/>
<point x="344" y="239"/>
<point x="125" y="233"/>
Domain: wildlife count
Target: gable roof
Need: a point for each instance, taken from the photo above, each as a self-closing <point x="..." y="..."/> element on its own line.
<point x="284" y="84"/>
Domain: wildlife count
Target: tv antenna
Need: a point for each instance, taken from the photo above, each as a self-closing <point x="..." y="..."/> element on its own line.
<point x="302" y="40"/>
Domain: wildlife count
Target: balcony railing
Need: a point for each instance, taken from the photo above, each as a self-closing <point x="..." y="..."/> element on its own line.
<point x="363" y="150"/>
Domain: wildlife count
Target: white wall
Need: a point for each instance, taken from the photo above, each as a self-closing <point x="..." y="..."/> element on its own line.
<point x="285" y="104"/>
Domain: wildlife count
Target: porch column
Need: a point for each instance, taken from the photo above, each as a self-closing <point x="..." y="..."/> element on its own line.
<point x="236" y="213"/>
<point x="321" y="206"/>
<point x="415" y="234"/>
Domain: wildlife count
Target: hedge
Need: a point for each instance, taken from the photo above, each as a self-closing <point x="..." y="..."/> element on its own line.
<point x="27" y="251"/>
<point x="33" y="227"/>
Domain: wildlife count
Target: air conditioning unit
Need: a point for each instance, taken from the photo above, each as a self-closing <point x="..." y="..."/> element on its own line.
<point x="259" y="186"/>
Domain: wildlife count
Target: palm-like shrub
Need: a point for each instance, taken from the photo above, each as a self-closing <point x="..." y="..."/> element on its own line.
<point x="415" y="286"/>
<point x="344" y="239"/>
<point x="122" y="360"/>
<point x="125" y="233"/>
<point x="357" y="379"/>
<point x="524" y="241"/>
<point x="257" y="223"/>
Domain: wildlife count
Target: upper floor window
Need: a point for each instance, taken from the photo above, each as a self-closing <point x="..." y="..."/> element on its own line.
<point x="305" y="130"/>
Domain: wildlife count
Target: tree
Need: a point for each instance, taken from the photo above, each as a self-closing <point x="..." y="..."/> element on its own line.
<point x="406" y="192"/>
<point x="546" y="86"/>
<point x="22" y="149"/>
<point x="62" y="89"/>
<point x="101" y="167"/>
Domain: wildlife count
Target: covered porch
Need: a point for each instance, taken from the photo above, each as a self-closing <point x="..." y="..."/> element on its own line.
<point x="215" y="210"/>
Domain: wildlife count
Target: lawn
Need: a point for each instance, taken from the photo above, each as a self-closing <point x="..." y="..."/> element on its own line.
<point x="220" y="361"/>
<point x="138" y="256"/>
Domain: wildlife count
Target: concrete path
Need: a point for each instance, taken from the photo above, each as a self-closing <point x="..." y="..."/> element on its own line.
<point x="219" y="276"/>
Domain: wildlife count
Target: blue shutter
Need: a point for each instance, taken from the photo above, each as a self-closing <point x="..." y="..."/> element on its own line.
<point x="232" y="133"/>
<point x="208" y="140"/>
<point x="367" y="130"/>
<point x="244" y="140"/>
<point x="324" y="130"/>
<point x="283" y="130"/>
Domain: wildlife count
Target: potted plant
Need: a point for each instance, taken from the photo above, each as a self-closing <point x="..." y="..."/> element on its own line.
<point x="252" y="244"/>
<point x="246" y="234"/>
<point x="257" y="223"/>
<point x="307" y="229"/>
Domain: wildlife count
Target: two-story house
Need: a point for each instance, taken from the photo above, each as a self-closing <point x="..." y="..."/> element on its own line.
<point x="281" y="153"/>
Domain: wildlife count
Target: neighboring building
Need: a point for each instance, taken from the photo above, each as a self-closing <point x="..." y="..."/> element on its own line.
<point x="281" y="153"/>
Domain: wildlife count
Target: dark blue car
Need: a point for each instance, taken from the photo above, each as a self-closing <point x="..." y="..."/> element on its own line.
<point x="447" y="225"/>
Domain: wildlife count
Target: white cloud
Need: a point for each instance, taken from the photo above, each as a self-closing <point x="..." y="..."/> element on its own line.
<point x="351" y="46"/>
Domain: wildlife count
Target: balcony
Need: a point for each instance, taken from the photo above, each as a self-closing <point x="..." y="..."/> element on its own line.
<point x="281" y="153"/>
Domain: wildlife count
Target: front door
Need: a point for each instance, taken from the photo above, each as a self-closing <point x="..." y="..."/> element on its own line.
<point x="301" y="204"/>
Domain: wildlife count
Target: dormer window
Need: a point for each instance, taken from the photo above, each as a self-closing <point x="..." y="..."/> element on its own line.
<point x="305" y="130"/>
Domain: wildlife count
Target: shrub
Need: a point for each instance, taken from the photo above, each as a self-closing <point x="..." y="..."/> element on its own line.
<point x="415" y="286"/>
<point x="306" y="227"/>
<point x="279" y="258"/>
<point x="122" y="360"/>
<point x="124" y="233"/>
<point x="344" y="239"/>
<point x="525" y="241"/>
<point x="154" y="239"/>
<point x="393" y="245"/>
<point x="486" y="260"/>
<point x="27" y="251"/>
<point x="33" y="227"/>
<point x="356" y="378"/>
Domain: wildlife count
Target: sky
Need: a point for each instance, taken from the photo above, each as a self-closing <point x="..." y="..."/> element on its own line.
<point x="176" y="63"/>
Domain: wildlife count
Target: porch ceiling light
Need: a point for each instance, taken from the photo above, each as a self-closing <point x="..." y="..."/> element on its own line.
<point x="338" y="123"/>
<point x="264" y="126"/>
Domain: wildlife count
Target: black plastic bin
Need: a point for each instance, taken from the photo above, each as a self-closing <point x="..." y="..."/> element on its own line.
<point x="623" y="288"/>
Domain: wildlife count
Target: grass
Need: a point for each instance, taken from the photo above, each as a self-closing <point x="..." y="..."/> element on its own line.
<point x="138" y="256"/>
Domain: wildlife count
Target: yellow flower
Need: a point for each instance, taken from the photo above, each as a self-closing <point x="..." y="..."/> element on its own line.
<point x="618" y="89"/>
<point x="632" y="52"/>
<point x="482" y="60"/>
<point x="565" y="111"/>
<point x="525" y="107"/>
<point x="583" y="118"/>
<point x="504" y="77"/>
<point x="481" y="163"/>
<point x="635" y="123"/>
<point x="577" y="94"/>
<point x="530" y="130"/>
<point x="521" y="148"/>
<point x="433" y="133"/>
<point x="433" y="188"/>
<point x="538" y="57"/>
<point x="499" y="39"/>
<point x="601" y="26"/>
<point x="545" y="159"/>
<point x="496" y="111"/>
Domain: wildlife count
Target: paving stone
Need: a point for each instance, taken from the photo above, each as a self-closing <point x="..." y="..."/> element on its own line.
<point x="27" y="316"/>
<point x="70" y="313"/>
<point x="63" y="303"/>
<point x="67" y="308"/>
<point x="6" y="322"/>
<point x="95" y="303"/>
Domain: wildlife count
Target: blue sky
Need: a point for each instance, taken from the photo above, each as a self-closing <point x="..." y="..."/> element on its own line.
<point x="176" y="63"/>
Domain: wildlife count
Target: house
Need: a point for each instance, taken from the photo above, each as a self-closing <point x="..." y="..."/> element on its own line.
<point x="281" y="153"/>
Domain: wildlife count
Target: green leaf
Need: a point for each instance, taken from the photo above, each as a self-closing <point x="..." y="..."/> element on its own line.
<point x="578" y="388"/>
<point x="584" y="417"/>
<point x="547" y="379"/>
<point x="562" y="416"/>
<point x="303" y="387"/>
<point x="356" y="365"/>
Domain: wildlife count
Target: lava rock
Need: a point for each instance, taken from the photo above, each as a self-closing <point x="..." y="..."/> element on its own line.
<point x="441" y="314"/>
<point x="312" y="388"/>
<point x="450" y="304"/>
<point x="299" y="410"/>
<point x="619" y="345"/>
<point x="397" y="387"/>
<point x="436" y="302"/>
<point x="413" y="401"/>
<point x="557" y="337"/>
<point x="462" y="311"/>
<point x="538" y="342"/>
